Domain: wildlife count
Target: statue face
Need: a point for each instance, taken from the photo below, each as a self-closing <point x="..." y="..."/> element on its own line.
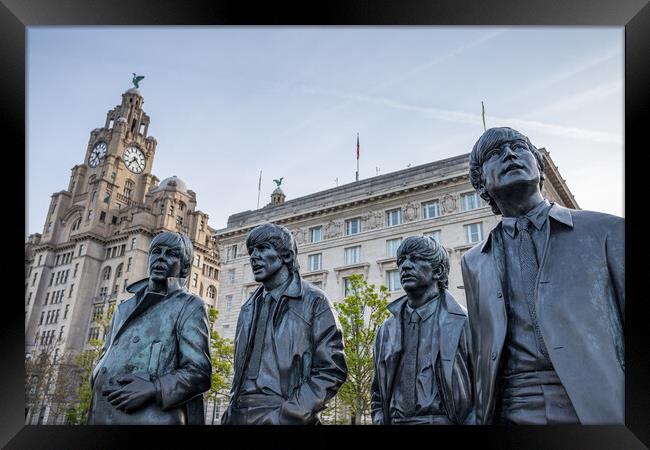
<point x="510" y="164"/>
<point x="416" y="272"/>
<point x="266" y="262"/>
<point x="164" y="262"/>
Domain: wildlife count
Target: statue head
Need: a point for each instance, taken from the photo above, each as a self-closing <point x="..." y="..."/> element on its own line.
<point x="271" y="247"/>
<point x="422" y="262"/>
<point x="501" y="158"/>
<point x="170" y="256"/>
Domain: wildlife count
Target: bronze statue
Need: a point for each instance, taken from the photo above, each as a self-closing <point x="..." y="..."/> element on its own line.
<point x="421" y="358"/>
<point x="136" y="80"/>
<point x="289" y="357"/>
<point x="545" y="296"/>
<point x="156" y="360"/>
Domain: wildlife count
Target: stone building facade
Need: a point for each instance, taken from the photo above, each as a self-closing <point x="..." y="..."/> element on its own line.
<point x="356" y="229"/>
<point x="96" y="236"/>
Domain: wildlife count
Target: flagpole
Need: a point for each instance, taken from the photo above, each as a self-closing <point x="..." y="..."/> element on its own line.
<point x="483" y="114"/>
<point x="357" y="156"/>
<point x="259" y="189"/>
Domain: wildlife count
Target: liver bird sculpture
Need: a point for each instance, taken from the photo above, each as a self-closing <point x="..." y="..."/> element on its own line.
<point x="136" y="80"/>
<point x="278" y="182"/>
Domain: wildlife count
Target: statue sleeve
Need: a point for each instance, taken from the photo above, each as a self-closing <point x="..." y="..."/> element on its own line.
<point x="192" y="375"/>
<point x="328" y="371"/>
<point x="615" y="246"/>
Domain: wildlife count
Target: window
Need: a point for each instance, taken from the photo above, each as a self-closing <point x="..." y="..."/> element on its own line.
<point x="171" y="210"/>
<point x="392" y="279"/>
<point x="93" y="334"/>
<point x="102" y="216"/>
<point x="435" y="235"/>
<point x="228" y="303"/>
<point x="473" y="232"/>
<point x="76" y="224"/>
<point x="34" y="279"/>
<point x="102" y="292"/>
<point x="352" y="255"/>
<point x="162" y="207"/>
<point x="133" y="242"/>
<point x="118" y="271"/>
<point x="232" y="252"/>
<point x="430" y="209"/>
<point x="81" y="249"/>
<point x="212" y="292"/>
<point x="126" y="283"/>
<point x="98" y="310"/>
<point x="181" y="206"/>
<point x="29" y="298"/>
<point x="315" y="234"/>
<point x="202" y="225"/>
<point x="49" y="227"/>
<point x="51" y="279"/>
<point x="116" y="288"/>
<point x="107" y="197"/>
<point x="352" y="226"/>
<point x="122" y="249"/>
<point x="347" y="287"/>
<point x="90" y="214"/>
<point x="61" y="333"/>
<point x="179" y="220"/>
<point x="106" y="274"/>
<point x="470" y="201"/>
<point x="40" y="257"/>
<point x="92" y="196"/>
<point x="128" y="264"/>
<point x="197" y="260"/>
<point x="391" y="247"/>
<point x="195" y="279"/>
<point x="65" y="313"/>
<point x="315" y="262"/>
<point x="47" y="298"/>
<point x="42" y="317"/>
<point x="71" y="289"/>
<point x="231" y="276"/>
<point x="393" y="217"/>
<point x="128" y="188"/>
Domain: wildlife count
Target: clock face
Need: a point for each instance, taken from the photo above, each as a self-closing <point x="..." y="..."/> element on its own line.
<point x="97" y="155"/>
<point x="134" y="159"/>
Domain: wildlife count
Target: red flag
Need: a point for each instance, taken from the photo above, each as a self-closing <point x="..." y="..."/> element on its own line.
<point x="357" y="146"/>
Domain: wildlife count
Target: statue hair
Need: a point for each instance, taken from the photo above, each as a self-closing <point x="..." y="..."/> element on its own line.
<point x="179" y="240"/>
<point x="280" y="238"/>
<point x="494" y="137"/>
<point x="429" y="249"/>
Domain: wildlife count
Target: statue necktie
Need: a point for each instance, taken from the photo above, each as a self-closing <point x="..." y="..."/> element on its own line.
<point x="529" y="269"/>
<point x="411" y="341"/>
<point x="260" y="332"/>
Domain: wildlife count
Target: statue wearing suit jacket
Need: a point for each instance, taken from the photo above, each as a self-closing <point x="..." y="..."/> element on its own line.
<point x="545" y="298"/>
<point x="156" y="360"/>
<point x="422" y="363"/>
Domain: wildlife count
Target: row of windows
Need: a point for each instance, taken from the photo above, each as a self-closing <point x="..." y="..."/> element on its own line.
<point x="60" y="259"/>
<point x="57" y="296"/>
<point x="210" y="272"/>
<point x="106" y="273"/>
<point x="61" y="277"/>
<point x="118" y="250"/>
<point x="51" y="317"/>
<point x="393" y="217"/>
<point x="48" y="336"/>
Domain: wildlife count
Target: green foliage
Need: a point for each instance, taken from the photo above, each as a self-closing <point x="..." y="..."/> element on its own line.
<point x="85" y="361"/>
<point x="222" y="356"/>
<point x="361" y="313"/>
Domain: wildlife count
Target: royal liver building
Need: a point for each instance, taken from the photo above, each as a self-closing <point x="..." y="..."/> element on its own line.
<point x="96" y="236"/>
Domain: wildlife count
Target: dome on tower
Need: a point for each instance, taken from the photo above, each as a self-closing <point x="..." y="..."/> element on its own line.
<point x="134" y="91"/>
<point x="277" y="190"/>
<point x="172" y="183"/>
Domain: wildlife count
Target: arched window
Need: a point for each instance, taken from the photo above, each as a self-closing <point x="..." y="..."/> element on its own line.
<point x="118" y="271"/>
<point x="76" y="224"/>
<point x="212" y="292"/>
<point x="128" y="188"/>
<point x="106" y="274"/>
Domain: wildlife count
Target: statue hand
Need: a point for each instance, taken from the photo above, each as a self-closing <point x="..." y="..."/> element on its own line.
<point x="134" y="393"/>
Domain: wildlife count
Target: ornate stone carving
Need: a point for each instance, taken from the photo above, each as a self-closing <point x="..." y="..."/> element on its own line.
<point x="374" y="220"/>
<point x="410" y="212"/>
<point x="299" y="236"/>
<point x="449" y="204"/>
<point x="333" y="229"/>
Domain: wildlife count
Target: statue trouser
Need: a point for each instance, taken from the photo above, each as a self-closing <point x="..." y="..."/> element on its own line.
<point x="437" y="419"/>
<point x="255" y="410"/>
<point x="535" y="398"/>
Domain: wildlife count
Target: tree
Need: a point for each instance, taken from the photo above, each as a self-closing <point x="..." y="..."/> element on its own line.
<point x="84" y="362"/>
<point x="361" y="313"/>
<point x="222" y="356"/>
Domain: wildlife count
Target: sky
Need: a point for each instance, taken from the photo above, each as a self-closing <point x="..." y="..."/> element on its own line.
<point x="227" y="102"/>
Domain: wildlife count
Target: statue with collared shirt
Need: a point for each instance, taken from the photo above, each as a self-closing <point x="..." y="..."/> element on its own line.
<point x="545" y="296"/>
<point x="422" y="372"/>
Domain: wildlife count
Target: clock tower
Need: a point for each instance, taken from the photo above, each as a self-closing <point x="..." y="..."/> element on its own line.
<point x="96" y="236"/>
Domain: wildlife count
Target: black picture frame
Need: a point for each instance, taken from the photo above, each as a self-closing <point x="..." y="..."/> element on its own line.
<point x="634" y="15"/>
